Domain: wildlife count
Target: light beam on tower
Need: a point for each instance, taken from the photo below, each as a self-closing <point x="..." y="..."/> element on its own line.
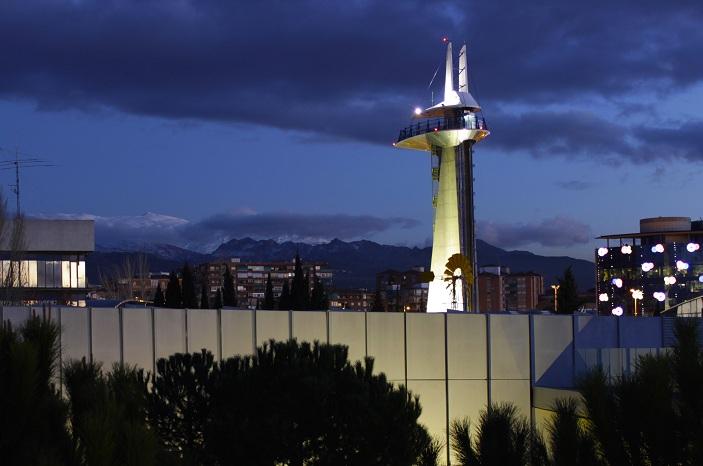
<point x="449" y="130"/>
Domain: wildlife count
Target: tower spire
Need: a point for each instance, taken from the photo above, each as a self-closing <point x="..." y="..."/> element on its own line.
<point x="463" y="71"/>
<point x="449" y="76"/>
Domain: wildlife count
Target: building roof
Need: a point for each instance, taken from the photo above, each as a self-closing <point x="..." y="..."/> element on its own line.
<point x="41" y="235"/>
<point x="653" y="233"/>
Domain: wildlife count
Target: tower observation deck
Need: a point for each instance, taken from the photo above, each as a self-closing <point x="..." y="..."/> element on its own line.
<point x="449" y="131"/>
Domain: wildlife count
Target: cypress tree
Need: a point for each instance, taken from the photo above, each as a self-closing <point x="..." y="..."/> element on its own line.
<point x="300" y="293"/>
<point x="188" y="296"/>
<point x="173" y="291"/>
<point x="204" y="301"/>
<point x="218" y="299"/>
<point x="567" y="294"/>
<point x="284" y="302"/>
<point x="159" y="300"/>
<point x="306" y="287"/>
<point x="318" y="298"/>
<point x="268" y="295"/>
<point x="229" y="296"/>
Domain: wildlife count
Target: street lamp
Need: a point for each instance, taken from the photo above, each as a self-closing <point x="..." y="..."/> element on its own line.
<point x="555" y="288"/>
<point x="636" y="294"/>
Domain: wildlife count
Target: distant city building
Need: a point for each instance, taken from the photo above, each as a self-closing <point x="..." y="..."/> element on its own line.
<point x="403" y="291"/>
<point x="46" y="262"/>
<point x="661" y="266"/>
<point x="500" y="290"/>
<point x="351" y="300"/>
<point x="142" y="288"/>
<point x="250" y="278"/>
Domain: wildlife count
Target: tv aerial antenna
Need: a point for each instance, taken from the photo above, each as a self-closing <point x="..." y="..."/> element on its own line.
<point x="20" y="161"/>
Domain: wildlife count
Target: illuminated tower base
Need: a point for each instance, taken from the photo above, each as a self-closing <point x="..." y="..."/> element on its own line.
<point x="449" y="130"/>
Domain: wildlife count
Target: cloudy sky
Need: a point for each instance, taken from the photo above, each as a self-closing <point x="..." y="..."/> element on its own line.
<point x="276" y="118"/>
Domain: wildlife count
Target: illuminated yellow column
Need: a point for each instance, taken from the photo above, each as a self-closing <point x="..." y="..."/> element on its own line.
<point x="446" y="240"/>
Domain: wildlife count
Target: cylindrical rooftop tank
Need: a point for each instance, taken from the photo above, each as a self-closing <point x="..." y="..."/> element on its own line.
<point x="663" y="224"/>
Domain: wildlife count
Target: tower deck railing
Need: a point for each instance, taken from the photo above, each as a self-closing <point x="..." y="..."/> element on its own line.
<point x="441" y="124"/>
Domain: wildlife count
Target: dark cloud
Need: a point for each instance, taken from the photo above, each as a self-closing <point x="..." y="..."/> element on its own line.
<point x="558" y="231"/>
<point x="350" y="71"/>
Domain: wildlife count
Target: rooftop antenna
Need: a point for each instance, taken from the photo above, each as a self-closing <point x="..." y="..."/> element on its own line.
<point x="29" y="162"/>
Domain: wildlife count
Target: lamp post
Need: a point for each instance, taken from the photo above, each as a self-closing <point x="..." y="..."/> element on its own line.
<point x="555" y="288"/>
<point x="636" y="294"/>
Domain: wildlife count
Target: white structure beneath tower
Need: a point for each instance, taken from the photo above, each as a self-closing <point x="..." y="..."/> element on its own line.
<point x="449" y="130"/>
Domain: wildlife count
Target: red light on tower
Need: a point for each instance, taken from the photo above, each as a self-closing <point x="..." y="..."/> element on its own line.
<point x="445" y="39"/>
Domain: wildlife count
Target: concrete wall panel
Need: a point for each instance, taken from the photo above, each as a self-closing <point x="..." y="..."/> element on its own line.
<point x="386" y="344"/>
<point x="138" y="338"/>
<point x="596" y="331"/>
<point x="237" y="333"/>
<point x="349" y="328"/>
<point x="170" y="332"/>
<point x="510" y="347"/>
<point x="425" y="342"/>
<point x="106" y="336"/>
<point x="516" y="392"/>
<point x="75" y="334"/>
<point x="310" y="326"/>
<point x="638" y="332"/>
<point x="553" y="350"/>
<point x="466" y="346"/>
<point x="272" y="325"/>
<point x="16" y="315"/>
<point x="432" y="395"/>
<point x="203" y="331"/>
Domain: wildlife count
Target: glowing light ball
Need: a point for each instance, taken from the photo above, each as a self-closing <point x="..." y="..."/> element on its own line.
<point x="602" y="251"/>
<point x="659" y="296"/>
<point x="637" y="294"/>
<point x="617" y="311"/>
<point x="669" y="280"/>
<point x="617" y="282"/>
<point x="658" y="248"/>
<point x="700" y="278"/>
<point x="647" y="266"/>
<point x="693" y="247"/>
<point x="603" y="297"/>
<point x="681" y="265"/>
<point x="418" y="110"/>
<point x="627" y="249"/>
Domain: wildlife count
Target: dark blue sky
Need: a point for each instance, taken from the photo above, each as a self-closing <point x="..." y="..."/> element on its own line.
<point x="276" y="118"/>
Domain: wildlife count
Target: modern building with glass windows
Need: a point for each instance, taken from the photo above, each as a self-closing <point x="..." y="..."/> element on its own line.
<point x="648" y="272"/>
<point x="44" y="261"/>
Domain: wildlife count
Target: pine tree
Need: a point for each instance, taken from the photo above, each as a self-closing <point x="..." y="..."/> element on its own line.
<point x="567" y="294"/>
<point x="229" y="296"/>
<point x="218" y="299"/>
<point x="284" y="301"/>
<point x="159" y="300"/>
<point x="204" y="301"/>
<point x="306" y="287"/>
<point x="173" y="291"/>
<point x="377" y="302"/>
<point x="318" y="298"/>
<point x="268" y="295"/>
<point x="190" y="299"/>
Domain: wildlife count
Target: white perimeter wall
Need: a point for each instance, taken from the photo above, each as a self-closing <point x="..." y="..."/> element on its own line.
<point x="456" y="362"/>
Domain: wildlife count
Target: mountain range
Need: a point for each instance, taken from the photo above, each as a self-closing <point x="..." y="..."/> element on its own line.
<point x="355" y="263"/>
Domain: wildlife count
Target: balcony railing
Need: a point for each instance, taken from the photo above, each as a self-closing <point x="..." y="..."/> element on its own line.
<point x="441" y="124"/>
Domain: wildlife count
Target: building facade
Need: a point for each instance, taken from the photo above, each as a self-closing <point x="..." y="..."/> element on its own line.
<point x="250" y="278"/>
<point x="351" y="300"/>
<point x="403" y="291"/>
<point x="647" y="272"/>
<point x="500" y="290"/>
<point x="43" y="261"/>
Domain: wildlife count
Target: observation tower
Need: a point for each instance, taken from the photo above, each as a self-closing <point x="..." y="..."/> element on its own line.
<point x="448" y="131"/>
